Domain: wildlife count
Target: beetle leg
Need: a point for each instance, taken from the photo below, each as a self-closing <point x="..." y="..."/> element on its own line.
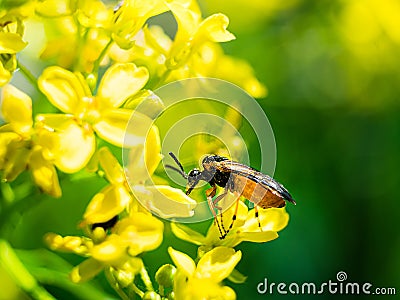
<point x="257" y="216"/>
<point x="219" y="198"/>
<point x="215" y="202"/>
<point x="212" y="208"/>
<point x="211" y="191"/>
<point x="234" y="216"/>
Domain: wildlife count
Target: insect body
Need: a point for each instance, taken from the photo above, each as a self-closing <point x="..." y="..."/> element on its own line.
<point x="238" y="179"/>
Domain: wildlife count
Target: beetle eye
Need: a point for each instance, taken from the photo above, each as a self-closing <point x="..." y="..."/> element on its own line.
<point x="194" y="173"/>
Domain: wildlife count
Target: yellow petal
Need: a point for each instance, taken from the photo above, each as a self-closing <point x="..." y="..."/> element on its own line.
<point x="106" y="204"/>
<point x="44" y="174"/>
<point x="113" y="127"/>
<point x="141" y="231"/>
<point x="86" y="270"/>
<point x="49" y="141"/>
<point x="147" y="102"/>
<point x="192" y="288"/>
<point x="93" y="13"/>
<point x="111" y="166"/>
<point x="152" y="149"/>
<point x="214" y="29"/>
<point x="187" y="234"/>
<point x="112" y="251"/>
<point x="130" y="18"/>
<point x="227" y="293"/>
<point x="63" y="88"/>
<point x="165" y="201"/>
<point x="54" y="8"/>
<point x="17" y="109"/>
<point x="17" y="160"/>
<point x="218" y="263"/>
<point x="144" y="158"/>
<point x="271" y="219"/>
<point x="121" y="81"/>
<point x="76" y="147"/>
<point x="5" y="139"/>
<point x="187" y="19"/>
<point x="5" y="75"/>
<point x="188" y="22"/>
<point x="157" y="38"/>
<point x="53" y="122"/>
<point x="255" y="237"/>
<point x="182" y="261"/>
<point x="11" y="43"/>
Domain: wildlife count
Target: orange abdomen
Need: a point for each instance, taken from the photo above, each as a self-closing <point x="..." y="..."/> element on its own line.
<point x="258" y="194"/>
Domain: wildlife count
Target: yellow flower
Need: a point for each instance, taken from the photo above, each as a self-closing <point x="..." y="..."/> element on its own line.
<point x="83" y="25"/>
<point x="165" y="201"/>
<point x="94" y="14"/>
<point x="86" y="114"/>
<point x="245" y="228"/>
<point x="130" y="18"/>
<point x="152" y="47"/>
<point x="194" y="32"/>
<point x="212" y="62"/>
<point x="128" y="238"/>
<point x="118" y="196"/>
<point x="11" y="31"/>
<point x="20" y="143"/>
<point x="203" y="281"/>
<point x="114" y="198"/>
<point x="55" y="8"/>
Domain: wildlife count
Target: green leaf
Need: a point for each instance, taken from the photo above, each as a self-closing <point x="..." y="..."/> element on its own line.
<point x="50" y="269"/>
<point x="20" y="274"/>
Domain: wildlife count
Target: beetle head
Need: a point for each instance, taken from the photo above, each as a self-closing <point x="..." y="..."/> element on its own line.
<point x="193" y="179"/>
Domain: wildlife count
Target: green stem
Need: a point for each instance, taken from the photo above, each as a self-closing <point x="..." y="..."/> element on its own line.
<point x="137" y="291"/>
<point x="14" y="267"/>
<point x="162" y="79"/>
<point x="7" y="193"/>
<point x="28" y="74"/>
<point x="101" y="56"/>
<point x="61" y="280"/>
<point x="81" y="38"/>
<point x="114" y="284"/>
<point x="146" y="279"/>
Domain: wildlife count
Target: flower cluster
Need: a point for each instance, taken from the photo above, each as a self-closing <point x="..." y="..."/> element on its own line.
<point x="100" y="61"/>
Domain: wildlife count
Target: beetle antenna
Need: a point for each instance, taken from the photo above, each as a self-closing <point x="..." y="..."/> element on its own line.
<point x="180" y="170"/>
<point x="177" y="161"/>
<point x="184" y="175"/>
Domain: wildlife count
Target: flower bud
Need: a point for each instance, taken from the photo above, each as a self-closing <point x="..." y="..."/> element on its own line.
<point x="91" y="80"/>
<point x="165" y="275"/>
<point x="151" y="295"/>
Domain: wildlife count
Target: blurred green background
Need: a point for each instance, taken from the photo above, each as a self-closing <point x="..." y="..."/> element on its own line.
<point x="332" y="73"/>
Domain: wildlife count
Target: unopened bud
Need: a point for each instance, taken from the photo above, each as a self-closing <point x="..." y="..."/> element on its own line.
<point x="165" y="275"/>
<point x="151" y="295"/>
